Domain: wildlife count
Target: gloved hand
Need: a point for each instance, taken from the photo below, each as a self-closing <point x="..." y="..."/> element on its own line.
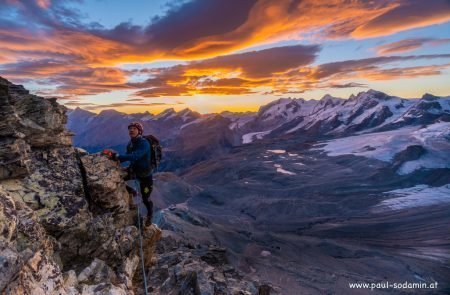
<point x="110" y="154"/>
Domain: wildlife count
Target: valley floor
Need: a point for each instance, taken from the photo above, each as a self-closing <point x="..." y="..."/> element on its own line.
<point x="311" y="223"/>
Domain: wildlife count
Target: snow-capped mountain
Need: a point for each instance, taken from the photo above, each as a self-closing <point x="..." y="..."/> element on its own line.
<point x="284" y="109"/>
<point x="326" y="102"/>
<point x="329" y="117"/>
<point x="280" y="113"/>
<point x="366" y="112"/>
<point x="427" y="110"/>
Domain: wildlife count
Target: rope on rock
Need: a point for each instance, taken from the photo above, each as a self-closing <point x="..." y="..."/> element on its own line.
<point x="140" y="240"/>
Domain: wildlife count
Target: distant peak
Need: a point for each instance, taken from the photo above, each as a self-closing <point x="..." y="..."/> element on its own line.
<point x="110" y="112"/>
<point x="326" y="96"/>
<point x="429" y="97"/>
<point x="185" y="111"/>
<point x="79" y="110"/>
<point x="168" y="111"/>
<point x="284" y="99"/>
<point x="146" y="116"/>
<point x="371" y="93"/>
<point x="328" y="100"/>
<point x="236" y="114"/>
<point x="166" y="114"/>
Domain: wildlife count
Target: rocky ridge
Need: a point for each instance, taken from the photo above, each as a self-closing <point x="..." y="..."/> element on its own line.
<point x="67" y="223"/>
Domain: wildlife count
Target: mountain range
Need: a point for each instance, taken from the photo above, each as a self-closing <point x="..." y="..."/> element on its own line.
<point x="189" y="137"/>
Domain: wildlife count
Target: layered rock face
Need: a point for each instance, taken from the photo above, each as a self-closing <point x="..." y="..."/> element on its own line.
<point x="65" y="220"/>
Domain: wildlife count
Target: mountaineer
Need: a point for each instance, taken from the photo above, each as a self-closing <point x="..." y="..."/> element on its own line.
<point x="139" y="154"/>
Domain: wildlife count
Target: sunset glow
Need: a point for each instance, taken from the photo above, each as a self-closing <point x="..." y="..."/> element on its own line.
<point x="216" y="55"/>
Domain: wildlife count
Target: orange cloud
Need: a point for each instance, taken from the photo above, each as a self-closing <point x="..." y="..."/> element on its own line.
<point x="350" y="67"/>
<point x="211" y="28"/>
<point x="224" y="90"/>
<point x="404" y="16"/>
<point x="81" y="59"/>
<point x="44" y="68"/>
<point x="70" y="79"/>
<point x="404" y="73"/>
<point x="166" y="91"/>
<point x="91" y="81"/>
<point x="296" y="77"/>
<point x="269" y="21"/>
<point x="409" y="45"/>
<point x="236" y="82"/>
<point x="215" y="75"/>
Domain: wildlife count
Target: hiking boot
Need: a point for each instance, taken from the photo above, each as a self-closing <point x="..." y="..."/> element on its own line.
<point x="148" y="220"/>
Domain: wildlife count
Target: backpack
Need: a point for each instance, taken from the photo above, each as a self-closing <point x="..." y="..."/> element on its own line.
<point x="155" y="150"/>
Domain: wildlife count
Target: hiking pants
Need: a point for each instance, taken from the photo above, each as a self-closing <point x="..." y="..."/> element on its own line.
<point x="146" y="184"/>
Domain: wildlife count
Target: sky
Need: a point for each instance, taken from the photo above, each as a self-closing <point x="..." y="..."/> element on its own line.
<point x="216" y="55"/>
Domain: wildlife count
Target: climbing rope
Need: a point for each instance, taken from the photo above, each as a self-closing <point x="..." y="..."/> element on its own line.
<point x="140" y="239"/>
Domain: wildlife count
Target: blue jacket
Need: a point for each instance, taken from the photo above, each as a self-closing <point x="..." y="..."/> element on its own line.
<point x="139" y="155"/>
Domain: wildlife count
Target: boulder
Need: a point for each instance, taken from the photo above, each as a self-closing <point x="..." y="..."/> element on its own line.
<point x="104" y="180"/>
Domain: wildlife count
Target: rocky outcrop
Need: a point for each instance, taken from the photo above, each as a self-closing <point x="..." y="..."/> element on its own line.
<point x="411" y="153"/>
<point x="65" y="221"/>
<point x="105" y="184"/>
<point x="27" y="121"/>
<point x="184" y="268"/>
